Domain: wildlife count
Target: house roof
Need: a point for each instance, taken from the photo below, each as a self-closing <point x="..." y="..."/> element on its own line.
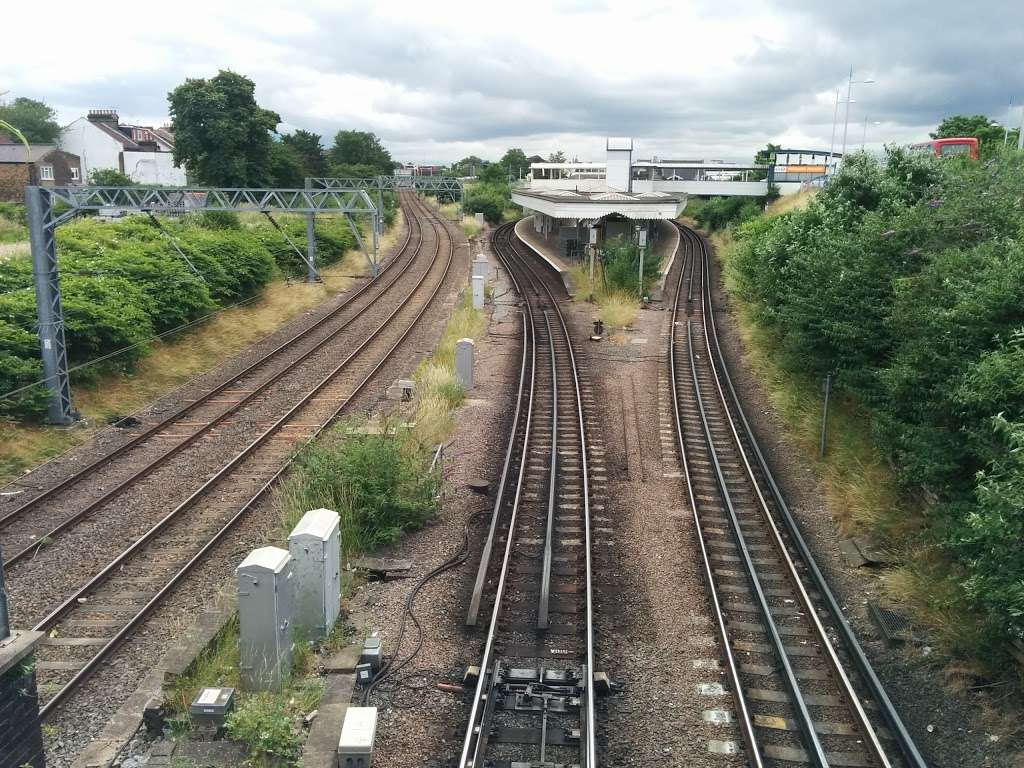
<point x="113" y="133"/>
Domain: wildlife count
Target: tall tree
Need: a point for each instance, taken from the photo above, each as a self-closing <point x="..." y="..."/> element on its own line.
<point x="35" y="119"/>
<point x="557" y="157"/>
<point x="359" y="151"/>
<point x="220" y="133"/>
<point x="310" y="150"/>
<point x="989" y="133"/>
<point x="287" y="169"/>
<point x="467" y="166"/>
<point x="515" y="163"/>
<point x="764" y="156"/>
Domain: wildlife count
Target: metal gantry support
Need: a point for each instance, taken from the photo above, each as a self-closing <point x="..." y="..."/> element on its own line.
<point x="49" y="207"/>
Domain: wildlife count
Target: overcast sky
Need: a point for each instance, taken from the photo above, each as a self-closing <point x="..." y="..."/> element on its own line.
<point x="438" y="81"/>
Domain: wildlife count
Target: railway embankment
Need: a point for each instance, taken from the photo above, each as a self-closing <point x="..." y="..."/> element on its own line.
<point x="125" y="328"/>
<point x="878" y="282"/>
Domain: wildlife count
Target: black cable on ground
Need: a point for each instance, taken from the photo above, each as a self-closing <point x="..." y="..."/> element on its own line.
<point x="390" y="668"/>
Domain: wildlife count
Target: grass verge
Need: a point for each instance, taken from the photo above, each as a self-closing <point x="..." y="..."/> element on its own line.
<point x="617" y="309"/>
<point x="451" y="211"/>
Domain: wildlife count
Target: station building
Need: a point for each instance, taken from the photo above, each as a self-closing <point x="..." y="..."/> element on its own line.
<point x="586" y="203"/>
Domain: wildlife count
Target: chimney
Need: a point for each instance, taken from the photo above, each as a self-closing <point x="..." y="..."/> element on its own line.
<point x="103" y="116"/>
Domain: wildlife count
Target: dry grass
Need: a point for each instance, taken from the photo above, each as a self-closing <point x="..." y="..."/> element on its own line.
<point x="795" y="202"/>
<point x="617" y="309"/>
<point x="438" y="392"/>
<point x="173" y="363"/>
<point x="451" y="211"/>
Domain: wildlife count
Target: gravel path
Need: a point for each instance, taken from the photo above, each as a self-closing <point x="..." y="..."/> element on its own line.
<point x="655" y="634"/>
<point x="419" y="724"/>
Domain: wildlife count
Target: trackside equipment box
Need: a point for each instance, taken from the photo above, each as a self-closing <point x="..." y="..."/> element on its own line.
<point x="212" y="705"/>
<point x="265" y="603"/>
<point x="355" y="747"/>
<point x="316" y="551"/>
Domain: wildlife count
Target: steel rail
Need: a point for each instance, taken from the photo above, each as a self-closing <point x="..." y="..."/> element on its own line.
<point x="485" y="557"/>
<point x="907" y="746"/>
<point x="474" y="732"/>
<point x="815" y="749"/>
<point x="588" y="717"/>
<point x="549" y="529"/>
<point x="101" y="577"/>
<point x="746" y="720"/>
<point x="160" y="460"/>
<point x="590" y="721"/>
<point x="82" y="472"/>
<point x="875" y="745"/>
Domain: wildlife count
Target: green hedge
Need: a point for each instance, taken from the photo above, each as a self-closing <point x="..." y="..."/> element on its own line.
<point x="122" y="282"/>
<point x="905" y="280"/>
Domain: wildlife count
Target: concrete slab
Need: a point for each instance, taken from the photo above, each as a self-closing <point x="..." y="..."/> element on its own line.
<point x="20" y="644"/>
<point x="322" y="743"/>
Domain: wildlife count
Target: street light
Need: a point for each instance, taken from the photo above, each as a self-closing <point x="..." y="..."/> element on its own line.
<point x="864" y="136"/>
<point x="849" y="93"/>
<point x="832" y="143"/>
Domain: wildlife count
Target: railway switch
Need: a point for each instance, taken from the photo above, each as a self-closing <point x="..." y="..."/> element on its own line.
<point x="266" y="597"/>
<point x="355" y="746"/>
<point x="316" y="553"/>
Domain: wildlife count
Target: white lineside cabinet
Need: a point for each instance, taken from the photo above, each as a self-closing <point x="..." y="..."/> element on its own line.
<point x="315" y="547"/>
<point x="265" y="606"/>
<point x="355" y="746"/>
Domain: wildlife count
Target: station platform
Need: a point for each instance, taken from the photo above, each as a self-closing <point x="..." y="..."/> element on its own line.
<point x="547" y="248"/>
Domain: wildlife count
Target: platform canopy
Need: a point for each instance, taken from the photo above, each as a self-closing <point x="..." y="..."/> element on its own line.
<point x="568" y="204"/>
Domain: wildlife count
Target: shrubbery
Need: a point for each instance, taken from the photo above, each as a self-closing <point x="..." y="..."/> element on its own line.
<point x="621" y="261"/>
<point x="720" y="212"/>
<point x="378" y="483"/>
<point x="123" y="282"/>
<point x="906" y="281"/>
<point x="490" y="199"/>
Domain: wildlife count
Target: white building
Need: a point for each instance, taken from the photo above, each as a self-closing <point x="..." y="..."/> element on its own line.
<point x="142" y="153"/>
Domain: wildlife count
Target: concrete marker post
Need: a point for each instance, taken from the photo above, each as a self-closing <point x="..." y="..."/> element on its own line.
<point x="478" y="292"/>
<point x="464" y="353"/>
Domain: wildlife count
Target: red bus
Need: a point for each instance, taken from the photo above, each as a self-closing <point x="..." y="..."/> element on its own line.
<point x="947" y="147"/>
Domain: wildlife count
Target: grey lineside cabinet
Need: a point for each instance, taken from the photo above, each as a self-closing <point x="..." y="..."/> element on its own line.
<point x="315" y="548"/>
<point x="265" y="608"/>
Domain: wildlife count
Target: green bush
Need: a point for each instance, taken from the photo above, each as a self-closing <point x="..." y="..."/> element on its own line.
<point x="263" y="723"/>
<point x="19" y="367"/>
<point x="621" y="261"/>
<point x="905" y="279"/>
<point x="490" y="199"/>
<point x="378" y="483"/>
<point x="720" y="212"/>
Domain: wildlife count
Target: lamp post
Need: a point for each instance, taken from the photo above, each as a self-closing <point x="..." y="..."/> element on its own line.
<point x="864" y="135"/>
<point x="849" y="94"/>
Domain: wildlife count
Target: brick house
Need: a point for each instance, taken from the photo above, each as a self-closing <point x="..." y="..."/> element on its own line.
<point x="46" y="165"/>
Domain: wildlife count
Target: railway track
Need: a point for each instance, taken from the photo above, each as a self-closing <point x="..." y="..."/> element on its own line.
<point x="804" y="691"/>
<point x="89" y="624"/>
<point x="245" y="398"/>
<point x="533" y="701"/>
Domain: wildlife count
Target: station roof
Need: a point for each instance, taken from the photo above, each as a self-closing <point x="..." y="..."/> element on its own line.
<point x="570" y="204"/>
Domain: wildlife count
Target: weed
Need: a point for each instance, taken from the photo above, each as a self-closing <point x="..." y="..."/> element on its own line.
<point x="264" y="724"/>
<point x="217" y="665"/>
